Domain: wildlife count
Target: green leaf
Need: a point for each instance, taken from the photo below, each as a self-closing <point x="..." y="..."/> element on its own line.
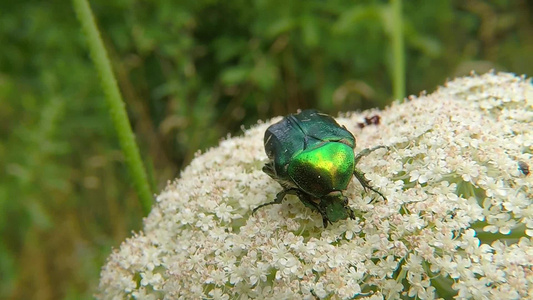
<point x="235" y="75"/>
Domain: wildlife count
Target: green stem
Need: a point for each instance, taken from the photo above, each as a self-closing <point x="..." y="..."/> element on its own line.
<point x="115" y="103"/>
<point x="488" y="238"/>
<point x="398" y="52"/>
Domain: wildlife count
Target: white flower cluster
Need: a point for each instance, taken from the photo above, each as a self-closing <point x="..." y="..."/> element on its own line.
<point x="457" y="222"/>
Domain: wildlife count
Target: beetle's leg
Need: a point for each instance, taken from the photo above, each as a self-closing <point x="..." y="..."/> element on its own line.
<point x="345" y="201"/>
<point x="279" y="197"/>
<point x="360" y="175"/>
<point x="268" y="168"/>
<point x="325" y="221"/>
<point x="365" y="152"/>
<point x="307" y="201"/>
<point x="365" y="182"/>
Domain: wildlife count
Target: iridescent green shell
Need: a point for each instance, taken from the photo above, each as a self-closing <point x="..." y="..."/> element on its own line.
<point x="312" y="156"/>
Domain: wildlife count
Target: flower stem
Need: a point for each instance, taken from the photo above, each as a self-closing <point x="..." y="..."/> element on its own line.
<point x="398" y="68"/>
<point x="115" y="103"/>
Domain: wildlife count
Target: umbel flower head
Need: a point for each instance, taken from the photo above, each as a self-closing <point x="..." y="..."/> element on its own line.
<point x="457" y="222"/>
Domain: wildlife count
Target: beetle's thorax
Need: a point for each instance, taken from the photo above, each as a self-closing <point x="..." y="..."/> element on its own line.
<point x="323" y="168"/>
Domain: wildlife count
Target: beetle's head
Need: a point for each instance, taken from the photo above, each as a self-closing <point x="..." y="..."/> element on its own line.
<point x="335" y="207"/>
<point x="323" y="169"/>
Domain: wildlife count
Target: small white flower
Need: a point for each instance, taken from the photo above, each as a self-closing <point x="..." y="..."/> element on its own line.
<point x="500" y="223"/>
<point x="418" y="175"/>
<point x="224" y="212"/>
<point x="218" y="294"/>
<point x="391" y="289"/>
<point x="141" y="293"/>
<point x="236" y="273"/>
<point x="413" y="222"/>
<point x="387" y="267"/>
<point x="217" y="277"/>
<point x="259" y="273"/>
<point x="468" y="170"/>
<point x="155" y="280"/>
<point x="493" y="187"/>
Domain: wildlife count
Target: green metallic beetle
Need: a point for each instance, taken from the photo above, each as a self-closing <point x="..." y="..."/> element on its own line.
<point x="312" y="157"/>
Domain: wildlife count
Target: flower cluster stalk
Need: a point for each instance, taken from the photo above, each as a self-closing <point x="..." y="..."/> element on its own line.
<point x="115" y="104"/>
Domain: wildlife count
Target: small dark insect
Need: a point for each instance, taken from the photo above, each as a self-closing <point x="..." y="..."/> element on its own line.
<point x="374" y="120"/>
<point x="523" y="167"/>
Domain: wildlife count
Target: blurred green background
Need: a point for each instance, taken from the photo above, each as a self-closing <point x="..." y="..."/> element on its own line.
<point x="190" y="73"/>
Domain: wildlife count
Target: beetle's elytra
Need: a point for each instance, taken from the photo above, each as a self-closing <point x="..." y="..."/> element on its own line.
<point x="312" y="157"/>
